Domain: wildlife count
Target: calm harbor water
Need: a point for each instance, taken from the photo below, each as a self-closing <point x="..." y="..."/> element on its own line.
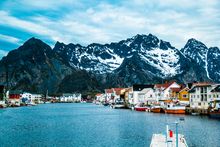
<point x="98" y="126"/>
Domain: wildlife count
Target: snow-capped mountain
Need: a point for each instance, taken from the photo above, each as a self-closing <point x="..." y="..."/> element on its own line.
<point x="196" y="51"/>
<point x="213" y="63"/>
<point x="95" y="57"/>
<point x="106" y="58"/>
<point x="141" y="59"/>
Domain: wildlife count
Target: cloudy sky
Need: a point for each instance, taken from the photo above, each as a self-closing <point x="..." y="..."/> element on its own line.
<point x="87" y="21"/>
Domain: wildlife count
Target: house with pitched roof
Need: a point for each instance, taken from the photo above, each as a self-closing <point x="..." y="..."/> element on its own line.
<point x="15" y="98"/>
<point x="164" y="91"/>
<point x="140" y="93"/>
<point x="100" y="97"/>
<point x="109" y="95"/>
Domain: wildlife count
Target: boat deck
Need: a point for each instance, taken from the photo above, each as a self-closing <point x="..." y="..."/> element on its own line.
<point x="159" y="140"/>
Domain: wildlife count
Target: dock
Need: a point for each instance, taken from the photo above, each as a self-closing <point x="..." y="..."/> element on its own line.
<point x="159" y="140"/>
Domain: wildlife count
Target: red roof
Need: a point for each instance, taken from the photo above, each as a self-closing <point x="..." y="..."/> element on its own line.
<point x="108" y="90"/>
<point x="117" y="90"/>
<point x="182" y="86"/>
<point x="176" y="89"/>
<point x="201" y="84"/>
<point x="98" y="94"/>
<point x="165" y="85"/>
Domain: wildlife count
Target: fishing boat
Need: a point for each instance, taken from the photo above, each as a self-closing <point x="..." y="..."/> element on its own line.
<point x="175" y="109"/>
<point x="214" y="111"/>
<point x="156" y="109"/>
<point x="169" y="139"/>
<point x="118" y="104"/>
<point x="141" y="107"/>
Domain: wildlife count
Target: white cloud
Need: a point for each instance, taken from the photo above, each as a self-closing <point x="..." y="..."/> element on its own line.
<point x="174" y="21"/>
<point x="10" y="39"/>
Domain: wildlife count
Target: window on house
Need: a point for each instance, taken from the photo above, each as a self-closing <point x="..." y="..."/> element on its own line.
<point x="205" y="89"/>
<point x="184" y="96"/>
<point x="205" y="97"/>
<point x="202" y="98"/>
<point x="199" y="104"/>
<point x="201" y="89"/>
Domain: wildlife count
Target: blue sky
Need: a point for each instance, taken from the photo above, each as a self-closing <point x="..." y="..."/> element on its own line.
<point x="87" y="21"/>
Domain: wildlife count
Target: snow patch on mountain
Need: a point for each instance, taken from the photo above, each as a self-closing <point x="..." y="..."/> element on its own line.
<point x="164" y="60"/>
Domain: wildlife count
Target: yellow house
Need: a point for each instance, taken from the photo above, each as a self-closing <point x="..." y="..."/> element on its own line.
<point x="179" y="93"/>
<point x="184" y="94"/>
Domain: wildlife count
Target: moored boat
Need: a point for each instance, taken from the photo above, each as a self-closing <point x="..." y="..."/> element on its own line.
<point x="156" y="109"/>
<point x="214" y="110"/>
<point x="119" y="104"/>
<point x="141" y="108"/>
<point x="175" y="109"/>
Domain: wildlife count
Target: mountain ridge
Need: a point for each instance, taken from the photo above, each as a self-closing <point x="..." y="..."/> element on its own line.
<point x="141" y="59"/>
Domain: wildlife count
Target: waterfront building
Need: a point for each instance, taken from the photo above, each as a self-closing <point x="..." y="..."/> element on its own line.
<point x="15" y="97"/>
<point x="215" y="93"/>
<point x="37" y="98"/>
<point x="184" y="95"/>
<point x="100" y="97"/>
<point x="138" y="96"/>
<point x="117" y="94"/>
<point x="125" y="95"/>
<point x="163" y="91"/>
<point x="200" y="95"/>
<point x="70" y="97"/>
<point x="109" y="95"/>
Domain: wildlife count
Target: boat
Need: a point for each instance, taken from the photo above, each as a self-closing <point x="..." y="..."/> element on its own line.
<point x="118" y="104"/>
<point x="31" y="104"/>
<point x="175" y="109"/>
<point x="141" y="107"/>
<point x="169" y="139"/>
<point x="156" y="109"/>
<point x="214" y="110"/>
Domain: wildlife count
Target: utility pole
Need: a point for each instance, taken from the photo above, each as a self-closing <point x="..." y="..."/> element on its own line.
<point x="176" y="133"/>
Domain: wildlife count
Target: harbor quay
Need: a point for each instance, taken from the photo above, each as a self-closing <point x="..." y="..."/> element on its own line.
<point x="199" y="98"/>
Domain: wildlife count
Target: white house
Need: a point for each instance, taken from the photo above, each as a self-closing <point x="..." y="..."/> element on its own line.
<point x="200" y="95"/>
<point x="140" y="94"/>
<point x="69" y="97"/>
<point x="163" y="91"/>
<point x="100" y="97"/>
<point x="149" y="95"/>
<point x="109" y="95"/>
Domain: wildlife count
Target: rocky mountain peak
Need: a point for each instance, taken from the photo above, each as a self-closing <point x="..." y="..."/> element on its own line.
<point x="194" y="45"/>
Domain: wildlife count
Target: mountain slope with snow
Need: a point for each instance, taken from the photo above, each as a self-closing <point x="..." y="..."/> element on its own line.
<point x="142" y="59"/>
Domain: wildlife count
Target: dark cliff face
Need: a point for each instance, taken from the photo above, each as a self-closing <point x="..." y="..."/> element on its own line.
<point x="213" y="63"/>
<point x="34" y="67"/>
<point x="142" y="59"/>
